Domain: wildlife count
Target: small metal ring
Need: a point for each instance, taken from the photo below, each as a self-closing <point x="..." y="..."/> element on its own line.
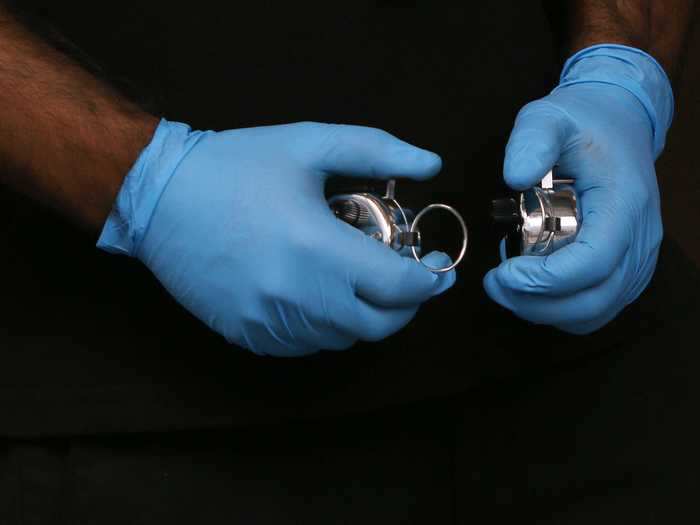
<point x="546" y="209"/>
<point x="538" y="193"/>
<point x="465" y="236"/>
<point x="403" y="214"/>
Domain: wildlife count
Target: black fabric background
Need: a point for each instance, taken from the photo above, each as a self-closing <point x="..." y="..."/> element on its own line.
<point x="609" y="438"/>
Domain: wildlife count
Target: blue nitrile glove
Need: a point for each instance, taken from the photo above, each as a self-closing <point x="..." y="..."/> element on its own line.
<point x="604" y="125"/>
<point x="236" y="227"/>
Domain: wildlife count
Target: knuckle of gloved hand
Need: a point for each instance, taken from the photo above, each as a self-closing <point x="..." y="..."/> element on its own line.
<point x="593" y="306"/>
<point x="328" y="144"/>
<point x="244" y="336"/>
<point x="598" y="273"/>
<point x="643" y="198"/>
<point x="264" y="340"/>
<point x="374" y="333"/>
<point x="514" y="277"/>
<point x="384" y="138"/>
<point x="657" y="236"/>
<point x="304" y="245"/>
<point x="310" y="139"/>
<point x="533" y="107"/>
<point x="272" y="285"/>
<point x="541" y="109"/>
<point x="378" y="329"/>
<point x="594" y="146"/>
<point x="398" y="274"/>
<point x="401" y="276"/>
<point x="540" y="281"/>
<point x="415" y="284"/>
<point x="269" y="283"/>
<point x="309" y="127"/>
<point x="591" y="262"/>
<point x="642" y="193"/>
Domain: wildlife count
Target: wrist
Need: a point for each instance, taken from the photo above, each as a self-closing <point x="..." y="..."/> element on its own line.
<point x="113" y="155"/>
<point x="631" y="69"/>
<point x="143" y="185"/>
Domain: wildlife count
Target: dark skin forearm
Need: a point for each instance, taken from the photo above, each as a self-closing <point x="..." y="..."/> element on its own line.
<point x="66" y="138"/>
<point x="657" y="27"/>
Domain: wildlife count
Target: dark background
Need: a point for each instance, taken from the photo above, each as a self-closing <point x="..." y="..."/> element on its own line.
<point x="678" y="168"/>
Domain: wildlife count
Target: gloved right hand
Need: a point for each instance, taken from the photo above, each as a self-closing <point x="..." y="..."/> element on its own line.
<point x="235" y="225"/>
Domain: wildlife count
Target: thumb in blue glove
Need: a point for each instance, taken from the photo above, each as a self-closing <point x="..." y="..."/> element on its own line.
<point x="236" y="227"/>
<point x="604" y="126"/>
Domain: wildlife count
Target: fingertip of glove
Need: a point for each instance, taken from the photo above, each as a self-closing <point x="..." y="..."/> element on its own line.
<point x="445" y="281"/>
<point x="528" y="166"/>
<point x="512" y="165"/>
<point x="503" y="250"/>
<point x="442" y="281"/>
<point x="437" y="259"/>
<point x="494" y="289"/>
<point x="489" y="282"/>
<point x="432" y="163"/>
<point x="418" y="163"/>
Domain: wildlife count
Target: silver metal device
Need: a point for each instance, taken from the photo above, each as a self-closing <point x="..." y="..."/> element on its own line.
<point x="384" y="219"/>
<point x="545" y="218"/>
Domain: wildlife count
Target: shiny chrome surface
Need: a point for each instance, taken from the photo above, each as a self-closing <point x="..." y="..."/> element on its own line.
<point x="384" y="219"/>
<point x="375" y="218"/>
<point x="465" y="236"/>
<point x="551" y="218"/>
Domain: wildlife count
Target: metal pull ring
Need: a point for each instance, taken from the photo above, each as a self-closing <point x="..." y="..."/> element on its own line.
<point x="465" y="236"/>
<point x="546" y="211"/>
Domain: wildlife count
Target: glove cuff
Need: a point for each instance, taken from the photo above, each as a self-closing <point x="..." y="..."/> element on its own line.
<point x="631" y="69"/>
<point x="143" y="186"/>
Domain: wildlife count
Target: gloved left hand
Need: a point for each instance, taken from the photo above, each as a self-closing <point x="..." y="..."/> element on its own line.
<point x="604" y="126"/>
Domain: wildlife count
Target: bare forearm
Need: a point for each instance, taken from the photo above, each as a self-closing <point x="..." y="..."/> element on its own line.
<point x="65" y="138"/>
<point x="659" y="28"/>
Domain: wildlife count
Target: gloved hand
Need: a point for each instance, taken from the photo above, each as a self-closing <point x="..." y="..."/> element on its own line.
<point x="604" y="125"/>
<point x="236" y="227"/>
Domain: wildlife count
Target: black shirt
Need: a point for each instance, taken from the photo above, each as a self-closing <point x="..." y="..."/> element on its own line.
<point x="91" y="343"/>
